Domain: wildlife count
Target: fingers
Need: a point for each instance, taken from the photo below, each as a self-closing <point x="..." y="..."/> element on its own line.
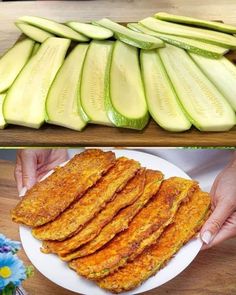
<point x="227" y="231"/>
<point x="18" y="173"/>
<point x="29" y="168"/>
<point x="213" y="225"/>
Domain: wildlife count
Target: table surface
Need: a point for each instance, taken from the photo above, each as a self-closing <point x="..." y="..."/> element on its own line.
<point x="212" y="272"/>
<point x="123" y="11"/>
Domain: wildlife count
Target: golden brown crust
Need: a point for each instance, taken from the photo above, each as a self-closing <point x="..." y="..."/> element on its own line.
<point x="123" y="218"/>
<point x="154" y="217"/>
<point x="187" y="221"/>
<point x="74" y="218"/>
<point x="48" y="198"/>
<point x="127" y="196"/>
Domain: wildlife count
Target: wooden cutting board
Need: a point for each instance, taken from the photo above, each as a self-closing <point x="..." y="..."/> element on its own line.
<point x="122" y="11"/>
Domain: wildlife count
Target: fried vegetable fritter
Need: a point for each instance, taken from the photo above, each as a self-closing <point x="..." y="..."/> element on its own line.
<point x="48" y="198"/>
<point x="127" y="196"/>
<point x="74" y="218"/>
<point x="187" y="221"/>
<point x="158" y="213"/>
<point x="122" y="219"/>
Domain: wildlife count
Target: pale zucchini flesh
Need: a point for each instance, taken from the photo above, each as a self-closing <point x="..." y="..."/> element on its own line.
<point x="191" y="45"/>
<point x="130" y="37"/>
<point x="162" y="100"/>
<point x="222" y="73"/>
<point x="206" y="107"/>
<point x="196" y="22"/>
<point x="125" y="98"/>
<point x="25" y="100"/>
<point x="204" y="35"/>
<point x="91" y="31"/>
<point x="63" y="104"/>
<point x="12" y="62"/>
<point x="53" y="27"/>
<point x="33" y="33"/>
<point x="94" y="80"/>
<point x="2" y="120"/>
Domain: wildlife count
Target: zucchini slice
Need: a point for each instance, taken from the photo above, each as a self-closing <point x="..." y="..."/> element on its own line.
<point x="206" y="107"/>
<point x="125" y="97"/>
<point x="222" y="73"/>
<point x="196" y="22"/>
<point x="198" y="47"/>
<point x="130" y="37"/>
<point x="91" y="31"/>
<point x="25" y="100"/>
<point x="163" y="103"/>
<point x="62" y="105"/>
<point x="35" y="49"/>
<point x="204" y="35"/>
<point x="94" y="81"/>
<point x="53" y="27"/>
<point x="2" y="120"/>
<point x="33" y="33"/>
<point x="12" y="62"/>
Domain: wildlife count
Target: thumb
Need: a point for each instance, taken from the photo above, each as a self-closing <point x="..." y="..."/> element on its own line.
<point x="29" y="169"/>
<point x="214" y="223"/>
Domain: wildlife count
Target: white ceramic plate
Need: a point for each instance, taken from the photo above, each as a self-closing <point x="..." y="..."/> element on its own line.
<point x="59" y="273"/>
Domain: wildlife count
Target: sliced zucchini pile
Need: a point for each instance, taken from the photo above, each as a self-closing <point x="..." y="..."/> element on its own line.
<point x="206" y="107"/>
<point x="12" y="62"/>
<point x="53" y="27"/>
<point x="171" y="67"/>
<point x="191" y="45"/>
<point x="204" y="35"/>
<point x="222" y="73"/>
<point x="218" y="26"/>
<point x="125" y="99"/>
<point x="163" y="103"/>
<point x="95" y="80"/>
<point x="130" y="37"/>
<point x="91" y="31"/>
<point x="25" y="101"/>
<point x="63" y="104"/>
<point x="34" y="33"/>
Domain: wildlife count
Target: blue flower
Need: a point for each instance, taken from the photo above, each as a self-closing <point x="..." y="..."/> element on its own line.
<point x="12" y="270"/>
<point x="7" y="245"/>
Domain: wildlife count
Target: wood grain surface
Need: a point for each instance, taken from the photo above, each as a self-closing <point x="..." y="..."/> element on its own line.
<point x="211" y="273"/>
<point x="122" y="11"/>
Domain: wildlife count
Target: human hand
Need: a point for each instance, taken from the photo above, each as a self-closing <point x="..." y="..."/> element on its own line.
<point x="33" y="164"/>
<point x="221" y="225"/>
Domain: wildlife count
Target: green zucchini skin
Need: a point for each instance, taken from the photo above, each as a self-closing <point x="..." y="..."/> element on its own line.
<point x="13" y="61"/>
<point x="163" y="103"/>
<point x="191" y="45"/>
<point x="93" y="82"/>
<point x="206" y="107"/>
<point x="222" y="27"/>
<point x="53" y="27"/>
<point x="91" y="31"/>
<point x="130" y="37"/>
<point x="222" y="73"/>
<point x="33" y="33"/>
<point x="116" y="117"/>
<point x="3" y="123"/>
<point x="62" y="105"/>
<point x="25" y="101"/>
<point x="204" y="35"/>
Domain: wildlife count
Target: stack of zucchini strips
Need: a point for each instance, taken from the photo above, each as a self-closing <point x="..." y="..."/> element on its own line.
<point x="169" y="67"/>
